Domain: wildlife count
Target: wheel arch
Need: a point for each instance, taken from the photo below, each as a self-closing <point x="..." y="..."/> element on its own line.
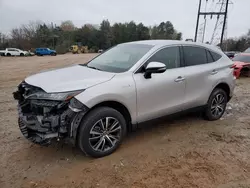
<point x="112" y="104"/>
<point x="245" y="70"/>
<point x="119" y="107"/>
<point x="225" y="87"/>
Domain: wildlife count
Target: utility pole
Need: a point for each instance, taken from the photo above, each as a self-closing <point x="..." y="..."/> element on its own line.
<point x="224" y="24"/>
<point x="197" y="22"/>
<point x="222" y="12"/>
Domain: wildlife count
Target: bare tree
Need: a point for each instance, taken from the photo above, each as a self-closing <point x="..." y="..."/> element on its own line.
<point x="67" y="26"/>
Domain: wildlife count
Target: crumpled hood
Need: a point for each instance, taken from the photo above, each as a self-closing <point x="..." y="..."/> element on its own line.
<point x="68" y="79"/>
<point x="240" y="63"/>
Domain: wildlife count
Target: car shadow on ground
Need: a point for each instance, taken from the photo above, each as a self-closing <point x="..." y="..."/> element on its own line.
<point x="63" y="151"/>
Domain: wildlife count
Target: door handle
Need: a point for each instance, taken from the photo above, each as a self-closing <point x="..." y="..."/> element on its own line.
<point x="214" y="72"/>
<point x="179" y="79"/>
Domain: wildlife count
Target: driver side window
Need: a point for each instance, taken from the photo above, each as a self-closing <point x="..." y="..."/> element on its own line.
<point x="170" y="56"/>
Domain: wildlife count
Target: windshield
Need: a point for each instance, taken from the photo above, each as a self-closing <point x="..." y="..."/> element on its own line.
<point x="242" y="58"/>
<point x="247" y="50"/>
<point x="119" y="58"/>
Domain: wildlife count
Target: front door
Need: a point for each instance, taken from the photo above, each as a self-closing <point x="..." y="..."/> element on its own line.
<point x="163" y="93"/>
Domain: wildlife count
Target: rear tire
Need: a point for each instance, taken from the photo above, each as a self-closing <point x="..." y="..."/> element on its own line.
<point x="21" y="54"/>
<point x="216" y="105"/>
<point x="95" y="138"/>
<point x="8" y="54"/>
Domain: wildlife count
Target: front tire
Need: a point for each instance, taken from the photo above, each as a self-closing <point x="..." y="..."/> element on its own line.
<point x="216" y="105"/>
<point x="101" y="132"/>
<point x="21" y="54"/>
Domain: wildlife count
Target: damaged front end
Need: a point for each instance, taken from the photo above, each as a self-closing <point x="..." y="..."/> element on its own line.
<point x="47" y="116"/>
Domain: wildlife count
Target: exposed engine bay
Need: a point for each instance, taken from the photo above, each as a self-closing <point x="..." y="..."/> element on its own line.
<point x="43" y="116"/>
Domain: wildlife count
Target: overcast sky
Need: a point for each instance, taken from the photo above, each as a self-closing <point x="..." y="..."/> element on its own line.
<point x="182" y="13"/>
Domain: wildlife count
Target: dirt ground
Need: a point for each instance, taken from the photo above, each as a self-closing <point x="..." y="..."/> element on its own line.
<point x="185" y="152"/>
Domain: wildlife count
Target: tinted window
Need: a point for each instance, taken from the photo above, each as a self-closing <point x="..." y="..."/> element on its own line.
<point x="169" y="56"/>
<point x="242" y="58"/>
<point x="119" y="58"/>
<point x="194" y="55"/>
<point x="11" y="50"/>
<point x="216" y="56"/>
<point x="209" y="57"/>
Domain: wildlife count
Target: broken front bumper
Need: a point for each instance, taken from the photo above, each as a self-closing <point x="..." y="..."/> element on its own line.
<point x="41" y="121"/>
<point x="42" y="129"/>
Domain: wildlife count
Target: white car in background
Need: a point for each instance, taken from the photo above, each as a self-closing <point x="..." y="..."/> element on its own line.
<point x="13" y="52"/>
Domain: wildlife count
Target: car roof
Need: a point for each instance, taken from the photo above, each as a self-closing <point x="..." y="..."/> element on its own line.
<point x="160" y="43"/>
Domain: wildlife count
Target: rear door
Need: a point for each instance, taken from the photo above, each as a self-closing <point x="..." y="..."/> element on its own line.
<point x="163" y="93"/>
<point x="46" y="51"/>
<point x="201" y="74"/>
<point x="11" y="51"/>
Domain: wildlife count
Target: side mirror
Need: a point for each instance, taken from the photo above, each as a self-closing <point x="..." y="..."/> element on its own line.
<point x="154" y="67"/>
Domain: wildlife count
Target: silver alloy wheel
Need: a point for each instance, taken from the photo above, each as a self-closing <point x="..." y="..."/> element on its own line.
<point x="218" y="105"/>
<point x="105" y="134"/>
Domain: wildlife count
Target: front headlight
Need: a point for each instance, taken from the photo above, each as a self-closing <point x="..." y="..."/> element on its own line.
<point x="64" y="96"/>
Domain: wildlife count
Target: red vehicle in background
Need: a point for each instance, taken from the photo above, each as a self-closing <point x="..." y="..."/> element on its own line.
<point x="242" y="65"/>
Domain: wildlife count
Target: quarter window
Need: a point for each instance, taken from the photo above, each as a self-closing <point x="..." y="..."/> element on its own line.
<point x="169" y="56"/>
<point x="209" y="57"/>
<point x="216" y="56"/>
<point x="194" y="55"/>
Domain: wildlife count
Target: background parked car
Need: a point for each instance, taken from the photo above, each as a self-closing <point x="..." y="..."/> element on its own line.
<point x="242" y="65"/>
<point x="13" y="52"/>
<point x="45" y="51"/>
<point x="230" y="54"/>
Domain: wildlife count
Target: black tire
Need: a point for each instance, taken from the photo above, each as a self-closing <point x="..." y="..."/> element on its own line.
<point x="8" y="54"/>
<point x="86" y="140"/>
<point x="21" y="54"/>
<point x="214" y="110"/>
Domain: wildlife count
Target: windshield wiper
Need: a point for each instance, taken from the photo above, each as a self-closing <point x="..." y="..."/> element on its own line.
<point x="92" y="67"/>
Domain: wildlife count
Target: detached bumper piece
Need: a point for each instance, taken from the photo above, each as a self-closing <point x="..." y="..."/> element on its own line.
<point x="41" y="121"/>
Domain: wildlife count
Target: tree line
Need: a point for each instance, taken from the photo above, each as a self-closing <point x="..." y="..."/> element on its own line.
<point x="238" y="43"/>
<point x="103" y="36"/>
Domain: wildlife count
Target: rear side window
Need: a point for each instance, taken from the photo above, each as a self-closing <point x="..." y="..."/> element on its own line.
<point x="194" y="55"/>
<point x="215" y="56"/>
<point x="170" y="56"/>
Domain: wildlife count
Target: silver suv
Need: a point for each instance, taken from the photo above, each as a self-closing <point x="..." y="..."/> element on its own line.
<point x="93" y="105"/>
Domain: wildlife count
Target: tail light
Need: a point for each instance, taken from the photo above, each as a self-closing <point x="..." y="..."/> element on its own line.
<point x="234" y="72"/>
<point x="233" y="67"/>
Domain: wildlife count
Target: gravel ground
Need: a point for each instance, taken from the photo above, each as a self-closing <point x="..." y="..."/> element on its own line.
<point x="185" y="152"/>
